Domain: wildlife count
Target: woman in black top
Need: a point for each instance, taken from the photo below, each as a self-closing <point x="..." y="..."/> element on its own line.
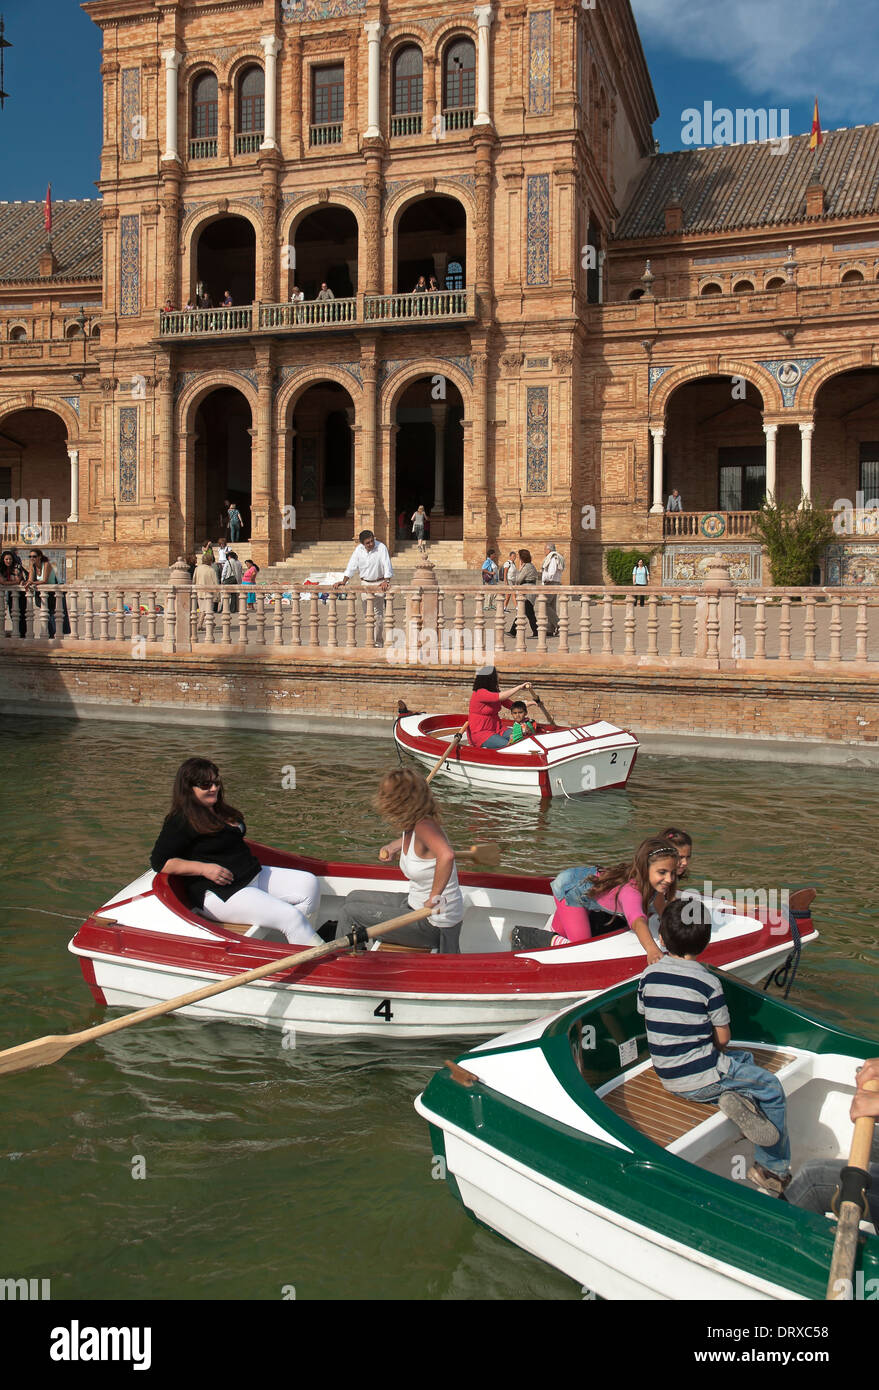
<point x="13" y="576"/>
<point x="203" y="841"/>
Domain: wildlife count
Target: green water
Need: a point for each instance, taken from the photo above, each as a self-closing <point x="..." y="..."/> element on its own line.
<point x="267" y="1168"/>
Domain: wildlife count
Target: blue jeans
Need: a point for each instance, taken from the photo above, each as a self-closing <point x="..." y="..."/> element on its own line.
<point x="744" y="1075"/>
<point x="569" y="887"/>
<point x="498" y="740"/>
<point x="234" y="531"/>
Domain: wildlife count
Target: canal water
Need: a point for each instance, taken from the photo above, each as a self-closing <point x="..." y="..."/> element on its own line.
<point x="192" y="1160"/>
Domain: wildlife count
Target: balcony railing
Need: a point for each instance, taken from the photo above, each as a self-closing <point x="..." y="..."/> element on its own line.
<point x="437" y="307"/>
<point x="330" y="134"/>
<point x="248" y="143"/>
<point x="459" y="118"/>
<point x="406" y="125"/>
<point x="203" y="149"/>
<point x="436" y="304"/>
<point x="708" y="525"/>
<point x="33" y="533"/>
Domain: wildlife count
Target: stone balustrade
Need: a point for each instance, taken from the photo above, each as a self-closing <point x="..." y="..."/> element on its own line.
<point x="286" y="317"/>
<point x="718" y="627"/>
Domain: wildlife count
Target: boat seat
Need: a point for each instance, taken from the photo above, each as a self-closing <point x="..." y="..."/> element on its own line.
<point x="643" y="1102"/>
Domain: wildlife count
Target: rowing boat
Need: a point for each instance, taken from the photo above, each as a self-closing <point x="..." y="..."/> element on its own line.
<point x="147" y="944"/>
<point x="554" y="761"/>
<point x="560" y="1137"/>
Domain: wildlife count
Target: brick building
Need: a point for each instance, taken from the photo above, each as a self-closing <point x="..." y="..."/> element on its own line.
<point x="608" y="323"/>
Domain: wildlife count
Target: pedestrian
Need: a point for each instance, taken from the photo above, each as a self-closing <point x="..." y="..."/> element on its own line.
<point x="13" y="578"/>
<point x="551" y="574"/>
<point x="206" y="581"/>
<point x="526" y="574"/>
<point x="325" y="293"/>
<point x="230" y="575"/>
<point x="234" y="523"/>
<point x="419" y="523"/>
<point x="42" y="571"/>
<point x="248" y="576"/>
<point x="508" y="576"/>
<point x="296" y="298"/>
<point x="675" y="502"/>
<point x="372" y="563"/>
<point x="641" y="577"/>
<point x="227" y="300"/>
<point x="490" y="577"/>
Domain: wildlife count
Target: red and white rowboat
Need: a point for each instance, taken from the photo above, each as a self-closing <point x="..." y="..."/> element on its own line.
<point x="552" y="762"/>
<point x="147" y="945"/>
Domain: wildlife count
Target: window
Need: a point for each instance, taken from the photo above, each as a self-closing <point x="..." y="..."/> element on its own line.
<point x="18" y="334"/>
<point x="454" y="276"/>
<point x="328" y="95"/>
<point x="776" y="283"/>
<point x="742" y="479"/>
<point x="459" y="75"/>
<point x="204" y="107"/>
<point x="408" y="81"/>
<point x="251" y="102"/>
<point x="709" y="289"/>
<point x="73" y="331"/>
<point x="636" y="294"/>
<point x="743" y="287"/>
<point x="869" y="475"/>
<point x="852" y="277"/>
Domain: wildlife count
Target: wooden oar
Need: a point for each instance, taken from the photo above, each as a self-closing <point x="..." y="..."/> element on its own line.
<point x="541" y="706"/>
<point x="850" y="1194"/>
<point x="454" y="744"/>
<point x="43" y="1051"/>
<point x="487" y="852"/>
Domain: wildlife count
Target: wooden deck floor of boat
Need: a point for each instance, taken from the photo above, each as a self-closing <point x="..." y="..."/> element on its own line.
<point x="643" y="1101"/>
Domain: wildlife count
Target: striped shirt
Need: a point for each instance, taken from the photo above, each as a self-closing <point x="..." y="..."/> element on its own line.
<point x="681" y="1002"/>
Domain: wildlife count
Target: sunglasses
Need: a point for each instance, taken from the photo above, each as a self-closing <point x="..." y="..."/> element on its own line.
<point x="205" y="784"/>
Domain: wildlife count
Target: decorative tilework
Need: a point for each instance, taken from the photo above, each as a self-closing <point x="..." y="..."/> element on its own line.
<point x="789" y="373"/>
<point x="250" y="377"/>
<point x="389" y="367"/>
<point x="352" y="368"/>
<point x="182" y="381"/>
<point x="540" y="70"/>
<point x="129" y="255"/>
<point x="687" y="565"/>
<point x="395" y="185"/>
<point x="464" y="364"/>
<point x="853" y="563"/>
<point x="537" y="427"/>
<point x="128" y="453"/>
<point x="299" y="11"/>
<point x="538" y="229"/>
<point x="72" y="401"/>
<point x="131" y="114"/>
<point x="468" y="180"/>
<point x="655" y="374"/>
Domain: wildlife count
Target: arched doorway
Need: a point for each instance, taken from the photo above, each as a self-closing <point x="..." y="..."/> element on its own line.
<point x="35" y="477"/>
<point x="845" y="452"/>
<point x="226" y="260"/>
<point x="429" y="457"/>
<point x="326" y="246"/>
<point x="715" y="448"/>
<point x="432" y="241"/>
<point x="221" y="464"/>
<point x="321" y="463"/>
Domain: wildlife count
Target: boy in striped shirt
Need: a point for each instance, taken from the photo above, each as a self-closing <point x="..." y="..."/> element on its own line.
<point x="688" y="1033"/>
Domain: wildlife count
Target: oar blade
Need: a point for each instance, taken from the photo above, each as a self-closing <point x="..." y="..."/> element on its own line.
<point x="488" y="854"/>
<point x="41" y="1052"/>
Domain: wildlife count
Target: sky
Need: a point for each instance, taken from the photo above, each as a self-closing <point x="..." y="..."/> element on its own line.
<point x="771" y="54"/>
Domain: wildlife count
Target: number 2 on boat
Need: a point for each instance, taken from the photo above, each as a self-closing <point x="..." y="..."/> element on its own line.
<point x="383" y="1011"/>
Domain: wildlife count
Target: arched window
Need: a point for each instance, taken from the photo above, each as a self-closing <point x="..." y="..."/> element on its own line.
<point x="251" y="102"/>
<point x="459" y="75"/>
<point x="408" y="81"/>
<point x="204" y="107"/>
<point x="776" y="283"/>
<point x="636" y="294"/>
<point x="73" y="330"/>
<point x="743" y="287"/>
<point x="852" y="277"/>
<point x="710" y="288"/>
<point x="96" y="331"/>
<point x="454" y="276"/>
<point x="18" y="334"/>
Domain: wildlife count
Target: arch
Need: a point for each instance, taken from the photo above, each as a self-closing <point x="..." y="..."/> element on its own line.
<point x="195" y="392"/>
<point x="743" y="287"/>
<point x="32" y="400"/>
<point x="290" y="220"/>
<point x="406" y="68"/>
<point x="402" y="376"/>
<point x="193" y="226"/>
<point x="760" y="379"/>
<point x="710" y="287"/>
<point x="854" y="276"/>
<point x="296" y="386"/>
<point x="411" y="252"/>
<point x="17" y="333"/>
<point x="457" y="86"/>
<point x="775" y="282"/>
<point x="637" y="293"/>
<point x="250" y="100"/>
<point x="203" y="102"/>
<point x="822" y="372"/>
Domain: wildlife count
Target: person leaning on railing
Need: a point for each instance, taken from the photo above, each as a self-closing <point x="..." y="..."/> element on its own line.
<point x="13" y="577"/>
<point x="44" y="572"/>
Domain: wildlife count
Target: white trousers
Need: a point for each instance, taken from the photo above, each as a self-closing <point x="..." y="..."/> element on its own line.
<point x="281" y="898"/>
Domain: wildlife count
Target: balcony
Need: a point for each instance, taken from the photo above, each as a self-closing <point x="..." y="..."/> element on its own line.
<point x="458" y="118"/>
<point x="735" y="311"/>
<point x="707" y="526"/>
<point x="406" y="125"/>
<point x="203" y="149"/>
<point x="248" y="142"/>
<point x="391" y="310"/>
<point x="330" y="134"/>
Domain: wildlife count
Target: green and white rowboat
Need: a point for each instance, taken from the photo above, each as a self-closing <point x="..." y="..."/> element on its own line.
<point x="565" y="1143"/>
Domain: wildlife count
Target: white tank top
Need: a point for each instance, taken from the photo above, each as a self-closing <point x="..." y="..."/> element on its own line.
<point x="420" y="874"/>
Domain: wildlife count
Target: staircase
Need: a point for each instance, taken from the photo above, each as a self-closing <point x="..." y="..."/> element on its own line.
<point x="321" y="556"/>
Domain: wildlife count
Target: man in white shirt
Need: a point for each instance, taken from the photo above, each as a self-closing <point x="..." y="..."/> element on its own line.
<point x="675" y="502"/>
<point x="373" y="563"/>
<point x="551" y="573"/>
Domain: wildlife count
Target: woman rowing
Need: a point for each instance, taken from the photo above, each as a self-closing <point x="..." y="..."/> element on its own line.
<point x="202" y="840"/>
<point x="484" y="722"/>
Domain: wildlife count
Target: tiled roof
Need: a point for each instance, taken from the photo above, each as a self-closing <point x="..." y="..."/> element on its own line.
<point x="725" y="187"/>
<point x="76" y="239"/>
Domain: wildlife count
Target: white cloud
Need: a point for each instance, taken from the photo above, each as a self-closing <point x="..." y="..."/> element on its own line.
<point x="779" y="51"/>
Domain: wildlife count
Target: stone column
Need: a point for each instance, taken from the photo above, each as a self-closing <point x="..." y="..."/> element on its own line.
<point x="172" y="62"/>
<point x="807" y="431"/>
<point x="484" y="15"/>
<point x="261" y="499"/>
<point x="658" y="438"/>
<point x="268" y="290"/>
<point x="271" y="48"/>
<point x="771" y="432"/>
<point x="432" y="98"/>
<point x="365" y="486"/>
<point x="224" y="119"/>
<point x="171" y="177"/>
<point x="439" y="425"/>
<point x="483" y="277"/>
<point x="73" y="455"/>
<point x="371" y="255"/>
<point x="374" y="30"/>
<point x="164" y="490"/>
<point x="294" y="59"/>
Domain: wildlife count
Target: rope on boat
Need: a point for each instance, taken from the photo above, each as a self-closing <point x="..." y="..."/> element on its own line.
<point x="785" y="975"/>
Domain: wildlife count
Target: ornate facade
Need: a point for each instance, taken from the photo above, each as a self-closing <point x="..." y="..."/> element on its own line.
<point x="607" y="323"/>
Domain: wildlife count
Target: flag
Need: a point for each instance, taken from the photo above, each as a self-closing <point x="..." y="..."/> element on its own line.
<point x="817" y="138"/>
<point x="49" y="211"/>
